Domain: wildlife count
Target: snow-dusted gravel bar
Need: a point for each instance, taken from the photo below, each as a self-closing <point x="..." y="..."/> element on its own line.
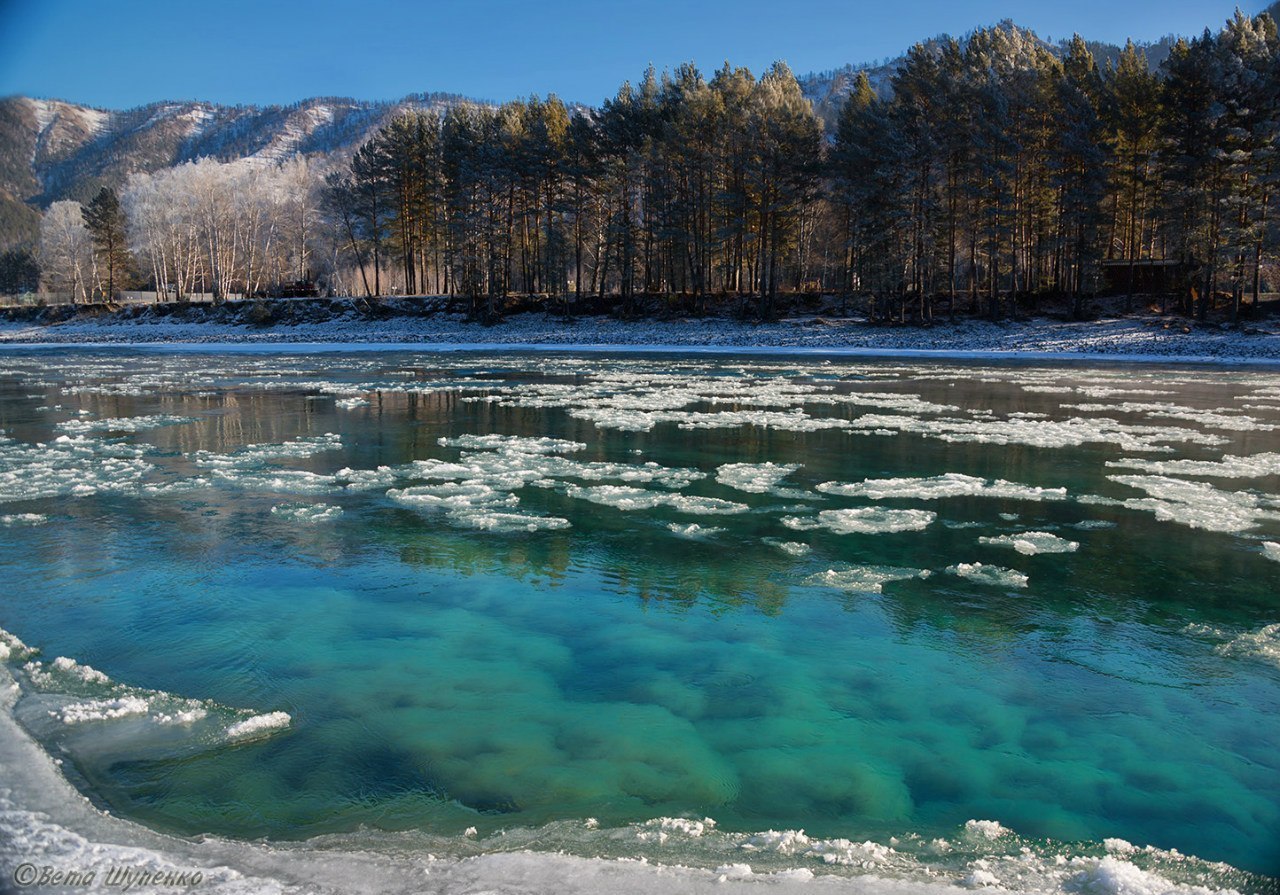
<point x="1164" y="338"/>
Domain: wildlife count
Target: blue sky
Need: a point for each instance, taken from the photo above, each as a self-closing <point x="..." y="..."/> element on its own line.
<point x="121" y="53"/>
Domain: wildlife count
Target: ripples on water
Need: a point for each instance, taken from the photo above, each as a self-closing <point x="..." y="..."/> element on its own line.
<point x="305" y="595"/>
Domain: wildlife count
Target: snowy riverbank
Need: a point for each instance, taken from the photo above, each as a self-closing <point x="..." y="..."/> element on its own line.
<point x="1153" y="337"/>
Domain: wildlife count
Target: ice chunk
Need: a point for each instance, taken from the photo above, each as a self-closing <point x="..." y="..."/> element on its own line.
<point x="863" y="520"/>
<point x="760" y="478"/>
<point x="952" y="484"/>
<point x="794" y="548"/>
<point x="24" y="519"/>
<point x="1032" y="542"/>
<point x="863" y="579"/>
<point x="693" y="530"/>
<point x="983" y="573"/>
<point x="301" y="512"/>
<point x="1199" y="505"/>
<point x="1229" y="467"/>
<point x="126" y="424"/>
<point x="625" y="497"/>
<point x="513" y="443"/>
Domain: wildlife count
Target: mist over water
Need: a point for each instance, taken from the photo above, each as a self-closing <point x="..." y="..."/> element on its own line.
<point x="869" y="601"/>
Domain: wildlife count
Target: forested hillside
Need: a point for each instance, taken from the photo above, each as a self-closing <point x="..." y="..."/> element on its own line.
<point x="977" y="175"/>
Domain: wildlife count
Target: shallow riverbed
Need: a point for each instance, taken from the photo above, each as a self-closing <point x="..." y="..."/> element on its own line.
<point x="989" y="624"/>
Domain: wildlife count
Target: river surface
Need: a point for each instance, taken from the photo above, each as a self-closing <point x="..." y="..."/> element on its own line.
<point x="951" y="620"/>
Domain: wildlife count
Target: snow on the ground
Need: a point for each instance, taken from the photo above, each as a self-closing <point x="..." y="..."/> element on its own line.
<point x="1141" y="337"/>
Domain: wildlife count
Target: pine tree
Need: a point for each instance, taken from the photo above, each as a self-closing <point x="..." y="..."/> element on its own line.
<point x="107" y="229"/>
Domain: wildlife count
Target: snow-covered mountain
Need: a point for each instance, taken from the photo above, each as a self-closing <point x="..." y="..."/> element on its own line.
<point x="51" y="150"/>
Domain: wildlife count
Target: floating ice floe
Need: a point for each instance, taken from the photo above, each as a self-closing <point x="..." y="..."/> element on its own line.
<point x="1032" y="542"/>
<point x="1231" y="420"/>
<point x="983" y="573"/>
<point x="513" y="444"/>
<point x="350" y="403"/>
<point x="125" y="424"/>
<point x="951" y="484"/>
<point x="625" y="497"/>
<point x="863" y="579"/>
<point x="693" y="531"/>
<point x="511" y="522"/>
<point x="24" y="519"/>
<point x="1195" y="504"/>
<point x="303" y="512"/>
<point x="1271" y="550"/>
<point x="252" y="454"/>
<point x="70" y="466"/>
<point x="1041" y="433"/>
<point x="794" y="548"/>
<point x="760" y="478"/>
<point x="1229" y="467"/>
<point x="863" y="520"/>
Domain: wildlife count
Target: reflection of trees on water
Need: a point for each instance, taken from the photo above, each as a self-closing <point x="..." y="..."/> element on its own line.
<point x="1180" y="575"/>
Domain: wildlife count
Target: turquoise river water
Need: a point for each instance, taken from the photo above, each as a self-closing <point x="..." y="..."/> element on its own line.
<point x="985" y="624"/>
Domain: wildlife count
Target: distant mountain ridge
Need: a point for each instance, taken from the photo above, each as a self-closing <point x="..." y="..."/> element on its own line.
<point x="51" y="149"/>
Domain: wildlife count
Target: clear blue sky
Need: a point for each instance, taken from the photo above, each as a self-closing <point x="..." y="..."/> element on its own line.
<point x="121" y="53"/>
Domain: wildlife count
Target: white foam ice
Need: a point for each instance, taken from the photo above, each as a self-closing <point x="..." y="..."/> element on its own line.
<point x="258" y="726"/>
<point x="760" y="478"/>
<point x="1262" y="644"/>
<point x="987" y="829"/>
<point x="951" y="484"/>
<point x="863" y="520"/>
<point x="863" y="579"/>
<point x="1032" y="542"/>
<point x="101" y="709"/>
<point x="983" y="573"/>
<point x="309" y="513"/>
<point x="661" y="829"/>
<point x="12" y="649"/>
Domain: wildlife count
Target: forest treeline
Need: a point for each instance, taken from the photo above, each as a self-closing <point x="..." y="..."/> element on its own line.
<point x="987" y="175"/>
